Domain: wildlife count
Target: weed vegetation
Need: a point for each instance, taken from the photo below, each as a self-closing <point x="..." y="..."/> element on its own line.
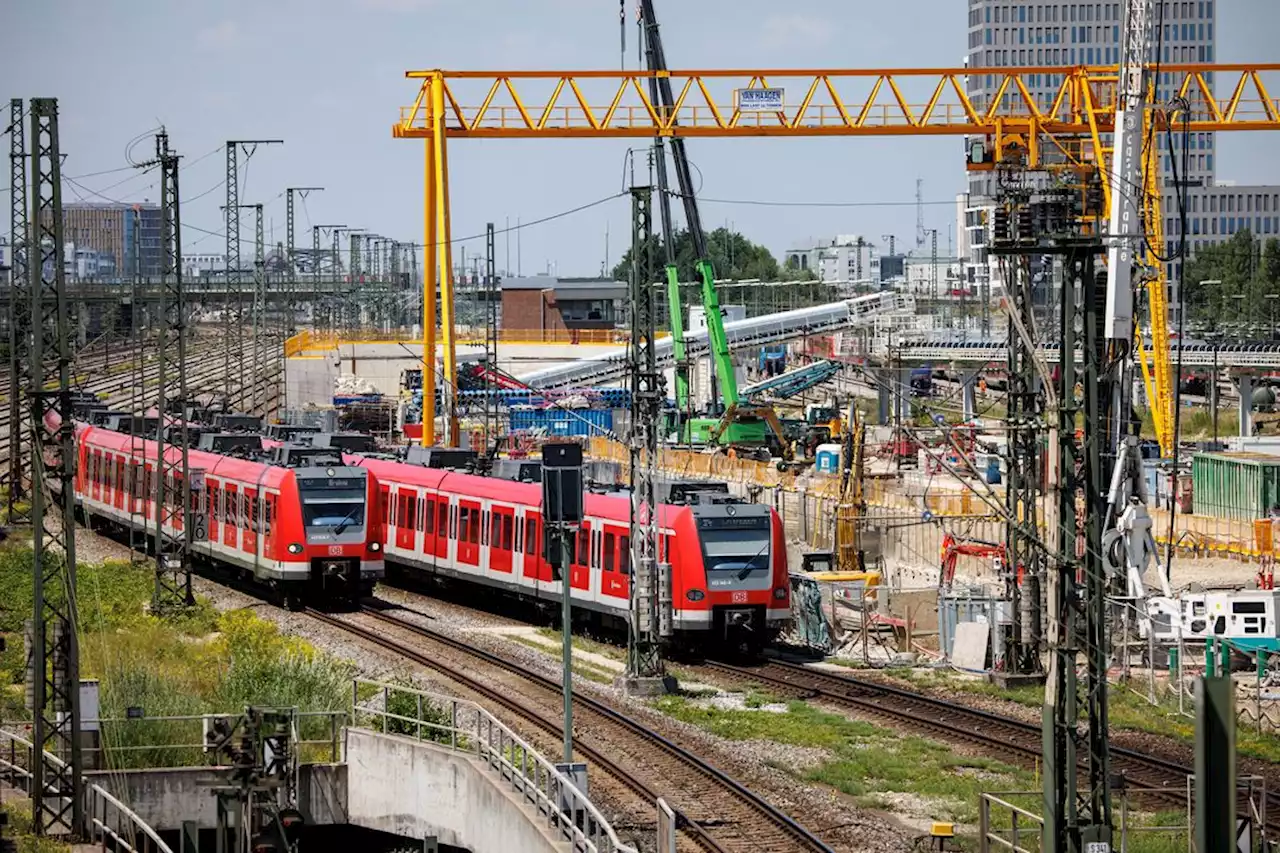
<point x="201" y="662"/>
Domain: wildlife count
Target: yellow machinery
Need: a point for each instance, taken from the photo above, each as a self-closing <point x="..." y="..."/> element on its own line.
<point x="835" y="102"/>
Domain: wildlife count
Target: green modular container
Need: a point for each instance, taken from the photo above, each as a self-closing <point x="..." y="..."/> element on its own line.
<point x="1235" y="485"/>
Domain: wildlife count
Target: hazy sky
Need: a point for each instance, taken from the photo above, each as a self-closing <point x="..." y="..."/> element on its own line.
<point x="327" y="77"/>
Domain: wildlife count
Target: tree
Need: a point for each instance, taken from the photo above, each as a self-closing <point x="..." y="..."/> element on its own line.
<point x="1243" y="273"/>
<point x="731" y="254"/>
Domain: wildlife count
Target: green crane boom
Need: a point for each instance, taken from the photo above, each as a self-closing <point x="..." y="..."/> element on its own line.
<point x="739" y="424"/>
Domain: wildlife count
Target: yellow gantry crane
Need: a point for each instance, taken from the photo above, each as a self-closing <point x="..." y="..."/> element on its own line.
<point x="1072" y="126"/>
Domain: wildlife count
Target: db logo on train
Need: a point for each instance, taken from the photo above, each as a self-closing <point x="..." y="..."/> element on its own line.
<point x="739" y="597"/>
<point x="335" y="550"/>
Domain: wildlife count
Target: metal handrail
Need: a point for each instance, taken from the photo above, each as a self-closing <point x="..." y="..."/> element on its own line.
<point x="332" y="741"/>
<point x="567" y="810"/>
<point x="106" y="817"/>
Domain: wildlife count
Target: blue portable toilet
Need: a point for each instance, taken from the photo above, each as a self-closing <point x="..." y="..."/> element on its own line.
<point x="827" y="458"/>
<point x="993" y="469"/>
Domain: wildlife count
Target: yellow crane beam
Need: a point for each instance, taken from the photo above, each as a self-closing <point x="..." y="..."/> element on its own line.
<point x="1070" y="125"/>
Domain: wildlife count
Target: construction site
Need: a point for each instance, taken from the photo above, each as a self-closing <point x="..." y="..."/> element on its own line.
<point x="956" y="540"/>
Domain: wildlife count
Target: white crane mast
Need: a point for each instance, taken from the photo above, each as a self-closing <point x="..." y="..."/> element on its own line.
<point x="1126" y="166"/>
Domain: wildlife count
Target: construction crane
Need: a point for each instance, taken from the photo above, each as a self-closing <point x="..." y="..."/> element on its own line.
<point x="742" y="423"/>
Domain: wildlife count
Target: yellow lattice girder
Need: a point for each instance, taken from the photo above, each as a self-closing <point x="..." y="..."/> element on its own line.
<point x="831" y="102"/>
<point x="835" y="102"/>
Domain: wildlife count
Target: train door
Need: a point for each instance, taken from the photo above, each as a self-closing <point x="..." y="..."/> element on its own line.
<point x="580" y="577"/>
<point x="535" y="567"/>
<point x="615" y="563"/>
<point x="384" y="503"/>
<point x="442" y="527"/>
<point x="249" y="541"/>
<point x="428" y="546"/>
<point x="95" y="475"/>
<point x="231" y="524"/>
<point x="268" y="527"/>
<point x="405" y="513"/>
<point x="121" y="465"/>
<point x="501" y="539"/>
<point x="469" y="521"/>
<point x="214" y="489"/>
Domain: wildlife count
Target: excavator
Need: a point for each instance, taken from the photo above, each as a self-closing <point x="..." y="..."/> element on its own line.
<point x="740" y="424"/>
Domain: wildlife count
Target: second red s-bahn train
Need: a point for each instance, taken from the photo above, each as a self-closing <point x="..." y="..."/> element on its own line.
<point x="729" y="580"/>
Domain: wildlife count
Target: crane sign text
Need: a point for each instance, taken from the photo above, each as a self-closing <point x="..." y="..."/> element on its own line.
<point x="759" y="100"/>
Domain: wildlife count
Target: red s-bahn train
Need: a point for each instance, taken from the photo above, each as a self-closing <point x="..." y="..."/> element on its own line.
<point x="310" y="532"/>
<point x="729" y="581"/>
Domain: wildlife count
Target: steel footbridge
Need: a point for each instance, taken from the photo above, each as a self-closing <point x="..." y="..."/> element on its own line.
<point x="772" y="328"/>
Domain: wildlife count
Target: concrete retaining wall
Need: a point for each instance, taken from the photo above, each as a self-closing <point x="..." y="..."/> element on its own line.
<point x="166" y="797"/>
<point x="417" y="789"/>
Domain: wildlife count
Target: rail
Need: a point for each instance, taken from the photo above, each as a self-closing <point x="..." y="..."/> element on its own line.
<point x="465" y="726"/>
<point x="108" y="820"/>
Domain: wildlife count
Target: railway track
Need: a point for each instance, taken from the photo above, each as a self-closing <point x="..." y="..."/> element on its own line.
<point x="993" y="734"/>
<point x="717" y="813"/>
<point x="203" y="374"/>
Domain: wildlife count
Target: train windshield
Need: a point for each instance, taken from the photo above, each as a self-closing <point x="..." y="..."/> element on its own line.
<point x="335" y="502"/>
<point x="735" y="550"/>
<point x="333" y="511"/>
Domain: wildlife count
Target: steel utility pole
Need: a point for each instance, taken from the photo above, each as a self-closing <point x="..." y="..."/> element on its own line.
<point x="326" y="300"/>
<point x="650" y="601"/>
<point x="291" y="323"/>
<point x="173" y="480"/>
<point x="234" y="324"/>
<point x="492" y="294"/>
<point x="259" y="305"/>
<point x="137" y="400"/>
<point x="56" y="790"/>
<point x="20" y="314"/>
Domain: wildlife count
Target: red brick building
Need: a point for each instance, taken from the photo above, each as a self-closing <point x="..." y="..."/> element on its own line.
<point x="550" y="304"/>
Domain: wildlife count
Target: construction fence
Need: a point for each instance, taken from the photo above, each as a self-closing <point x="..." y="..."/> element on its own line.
<point x="911" y="524"/>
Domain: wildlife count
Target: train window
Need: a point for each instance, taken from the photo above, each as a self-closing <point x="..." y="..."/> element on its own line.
<point x="486" y="518"/>
<point x="595" y="549"/>
<point x="475" y="527"/>
<point x="429" y="516"/>
<point x="624" y="554"/>
<point x="531" y="535"/>
<point x="584" y="546"/>
<point x="384" y="502"/>
<point x="609" y="553"/>
<point x="419" y="505"/>
<point x="464" y="524"/>
<point x="442" y="517"/>
<point x="268" y="513"/>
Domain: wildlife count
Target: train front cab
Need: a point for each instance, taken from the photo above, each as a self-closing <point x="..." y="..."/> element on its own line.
<point x="743" y="598"/>
<point x="341" y="529"/>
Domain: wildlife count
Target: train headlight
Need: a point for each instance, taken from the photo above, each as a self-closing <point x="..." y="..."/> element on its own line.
<point x="295" y="548"/>
<point x="695" y="595"/>
<point x="375" y="546"/>
<point x="779" y="593"/>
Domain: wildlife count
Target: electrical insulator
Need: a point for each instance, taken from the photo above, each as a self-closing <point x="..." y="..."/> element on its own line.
<point x="1026" y="224"/>
<point x="1000" y="226"/>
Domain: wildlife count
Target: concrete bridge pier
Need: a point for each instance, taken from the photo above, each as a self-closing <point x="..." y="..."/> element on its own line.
<point x="902" y="395"/>
<point x="884" y="392"/>
<point x="969" y="395"/>
<point x="1246" y="404"/>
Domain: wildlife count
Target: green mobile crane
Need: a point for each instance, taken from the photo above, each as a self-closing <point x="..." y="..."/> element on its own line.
<point x="739" y="424"/>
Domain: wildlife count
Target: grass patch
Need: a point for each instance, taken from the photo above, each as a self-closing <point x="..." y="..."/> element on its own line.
<point x="867" y="761"/>
<point x="586" y="644"/>
<point x="19" y="830"/>
<point x="581" y="668"/>
<point x="198" y="663"/>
